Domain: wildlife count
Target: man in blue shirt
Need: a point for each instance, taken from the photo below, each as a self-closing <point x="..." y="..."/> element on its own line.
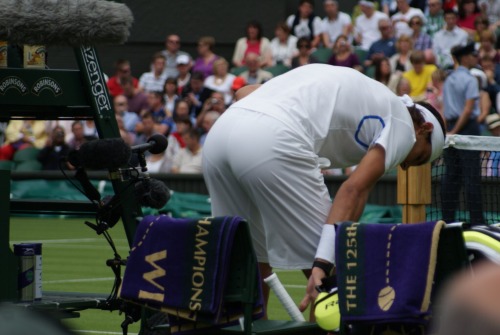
<point x="385" y="46"/>
<point x="461" y="94"/>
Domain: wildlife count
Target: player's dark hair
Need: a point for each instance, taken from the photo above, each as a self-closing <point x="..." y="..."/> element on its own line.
<point x="418" y="118"/>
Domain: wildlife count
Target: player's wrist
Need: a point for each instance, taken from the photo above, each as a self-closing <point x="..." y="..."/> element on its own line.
<point x="325" y="266"/>
<point x="326" y="246"/>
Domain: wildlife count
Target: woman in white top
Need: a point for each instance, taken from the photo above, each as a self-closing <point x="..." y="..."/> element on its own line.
<point x="170" y="94"/>
<point x="400" y="62"/>
<point x="284" y="45"/>
<point x="255" y="42"/>
<point x="221" y="80"/>
<point x="158" y="163"/>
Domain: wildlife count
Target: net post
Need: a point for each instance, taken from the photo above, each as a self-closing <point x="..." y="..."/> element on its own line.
<point x="414" y="192"/>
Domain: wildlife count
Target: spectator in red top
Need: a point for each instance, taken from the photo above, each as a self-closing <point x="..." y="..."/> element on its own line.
<point x="122" y="70"/>
<point x="449" y="5"/>
<point x="254" y="41"/>
<point x="468" y="11"/>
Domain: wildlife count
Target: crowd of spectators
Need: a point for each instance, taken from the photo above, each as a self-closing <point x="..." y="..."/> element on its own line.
<point x="404" y="44"/>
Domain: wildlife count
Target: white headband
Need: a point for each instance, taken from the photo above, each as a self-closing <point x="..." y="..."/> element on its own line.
<point x="367" y="3"/>
<point x="437" y="136"/>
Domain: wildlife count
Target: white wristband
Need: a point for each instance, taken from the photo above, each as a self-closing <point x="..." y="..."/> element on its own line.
<point x="326" y="246"/>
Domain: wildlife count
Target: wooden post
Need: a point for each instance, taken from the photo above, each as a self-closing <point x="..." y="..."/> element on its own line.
<point x="414" y="192"/>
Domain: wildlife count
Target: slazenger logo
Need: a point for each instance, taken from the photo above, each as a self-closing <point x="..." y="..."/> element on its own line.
<point x="46" y="83"/>
<point x="98" y="86"/>
<point x="13" y="82"/>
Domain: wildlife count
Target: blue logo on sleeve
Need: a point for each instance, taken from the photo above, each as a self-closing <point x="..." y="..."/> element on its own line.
<point x="368" y="119"/>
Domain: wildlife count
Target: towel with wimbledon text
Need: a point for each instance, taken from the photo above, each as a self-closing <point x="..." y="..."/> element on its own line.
<point x="180" y="266"/>
<point x="385" y="271"/>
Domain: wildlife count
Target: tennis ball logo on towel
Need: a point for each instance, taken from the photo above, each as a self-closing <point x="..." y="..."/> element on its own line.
<point x="386" y="297"/>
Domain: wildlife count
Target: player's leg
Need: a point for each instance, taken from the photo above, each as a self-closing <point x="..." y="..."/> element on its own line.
<point x="227" y="195"/>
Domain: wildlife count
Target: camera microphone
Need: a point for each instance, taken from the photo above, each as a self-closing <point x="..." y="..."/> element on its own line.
<point x="152" y="193"/>
<point x="156" y="144"/>
<point x="100" y="154"/>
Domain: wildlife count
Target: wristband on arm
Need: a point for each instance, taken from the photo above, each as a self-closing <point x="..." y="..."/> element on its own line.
<point x="326" y="267"/>
<point x="326" y="246"/>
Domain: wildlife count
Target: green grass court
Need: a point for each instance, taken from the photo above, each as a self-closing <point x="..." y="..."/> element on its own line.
<point x="74" y="259"/>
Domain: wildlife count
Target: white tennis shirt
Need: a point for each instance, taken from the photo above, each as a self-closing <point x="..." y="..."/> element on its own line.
<point x="339" y="112"/>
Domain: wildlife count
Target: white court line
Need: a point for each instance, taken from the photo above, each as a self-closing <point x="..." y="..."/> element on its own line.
<point x="81" y="280"/>
<point x="82" y="246"/>
<point x="88" y="280"/>
<point x="295" y="286"/>
<point x="100" y="332"/>
<point x="71" y="240"/>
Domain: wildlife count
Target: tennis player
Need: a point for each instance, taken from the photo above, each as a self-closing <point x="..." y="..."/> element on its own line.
<point x="261" y="159"/>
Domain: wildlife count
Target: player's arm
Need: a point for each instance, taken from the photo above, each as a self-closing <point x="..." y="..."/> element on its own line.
<point x="351" y="198"/>
<point x="246" y="90"/>
<point x="347" y="206"/>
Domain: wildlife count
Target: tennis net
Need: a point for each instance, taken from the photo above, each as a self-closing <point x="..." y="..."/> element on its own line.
<point x="466" y="181"/>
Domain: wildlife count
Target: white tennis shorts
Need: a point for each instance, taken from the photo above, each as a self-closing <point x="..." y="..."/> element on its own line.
<point x="258" y="168"/>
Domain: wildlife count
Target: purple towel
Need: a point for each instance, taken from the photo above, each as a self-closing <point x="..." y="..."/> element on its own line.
<point x="180" y="266"/>
<point x="385" y="271"/>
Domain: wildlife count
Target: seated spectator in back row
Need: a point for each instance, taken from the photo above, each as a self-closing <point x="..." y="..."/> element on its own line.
<point x="52" y="154"/>
<point x="343" y="55"/>
<point x="335" y="23"/>
<point x="171" y="53"/>
<point x="284" y="45"/>
<point x="420" y="77"/>
<point x="163" y="122"/>
<point x="305" y="53"/>
<point x="421" y="40"/>
<point x="367" y="24"/>
<point x="196" y="93"/>
<point x="492" y="71"/>
<point x="137" y="101"/>
<point x="385" y="46"/>
<point x="204" y="63"/>
<point x="175" y="140"/>
<point x="254" y="41"/>
<point x="254" y="74"/>
<point x="304" y="23"/>
<point x="400" y="61"/>
<point x="215" y="103"/>
<point x="21" y="134"/>
<point x="184" y="73"/>
<point x="170" y="95"/>
<point x="446" y="38"/>
<point x="384" y="74"/>
<point x="403" y="16"/>
<point x="182" y="110"/>
<point x="147" y="129"/>
<point x="122" y="70"/>
<point x="188" y="159"/>
<point x="153" y="81"/>
<point x="221" y="80"/>
<point x="434" y="19"/>
<point x="78" y="136"/>
<point x="208" y="122"/>
<point x="130" y="120"/>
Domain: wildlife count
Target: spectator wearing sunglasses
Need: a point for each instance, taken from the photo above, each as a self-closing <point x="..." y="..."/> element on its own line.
<point x="304" y="57"/>
<point x="421" y="40"/>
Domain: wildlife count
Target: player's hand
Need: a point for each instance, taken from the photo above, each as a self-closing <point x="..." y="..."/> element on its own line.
<point x="311" y="293"/>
